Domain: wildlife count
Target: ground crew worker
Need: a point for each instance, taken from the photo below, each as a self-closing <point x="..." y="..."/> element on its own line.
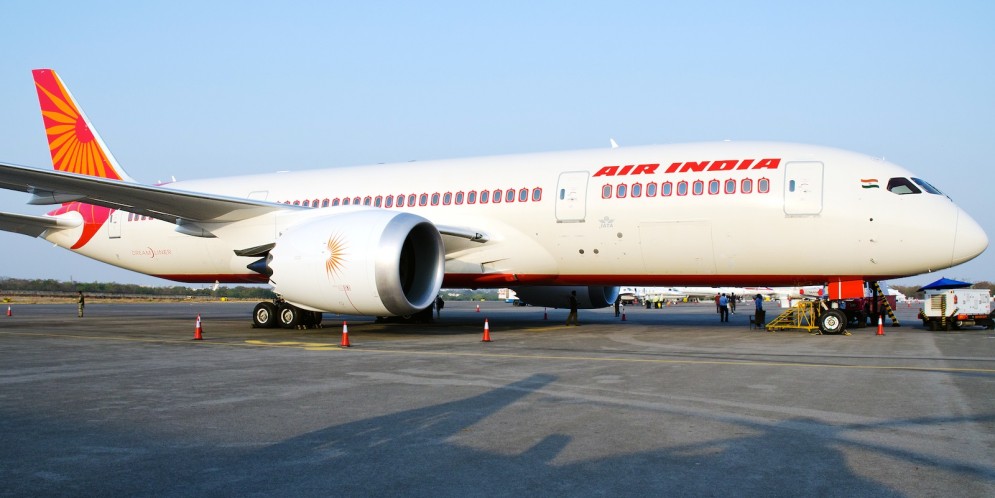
<point x="723" y="308"/>
<point x="572" y="316"/>
<point x="759" y="315"/>
<point x="80" y="303"/>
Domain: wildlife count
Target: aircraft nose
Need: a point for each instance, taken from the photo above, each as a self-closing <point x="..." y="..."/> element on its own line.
<point x="970" y="239"/>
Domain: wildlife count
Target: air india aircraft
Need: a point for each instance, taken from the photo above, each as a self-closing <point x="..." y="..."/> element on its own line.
<point x="381" y="240"/>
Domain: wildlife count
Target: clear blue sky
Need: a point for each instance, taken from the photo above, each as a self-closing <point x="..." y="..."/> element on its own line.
<point x="200" y="89"/>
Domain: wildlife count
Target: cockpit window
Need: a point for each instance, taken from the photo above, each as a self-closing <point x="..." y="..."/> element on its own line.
<point x="902" y="186"/>
<point x="927" y="187"/>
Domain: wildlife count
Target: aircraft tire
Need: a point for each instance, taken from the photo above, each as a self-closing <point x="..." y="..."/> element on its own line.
<point x="264" y="316"/>
<point x="289" y="316"/>
<point x="832" y="322"/>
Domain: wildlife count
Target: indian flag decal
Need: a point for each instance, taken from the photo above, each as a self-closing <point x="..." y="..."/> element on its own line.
<point x="869" y="183"/>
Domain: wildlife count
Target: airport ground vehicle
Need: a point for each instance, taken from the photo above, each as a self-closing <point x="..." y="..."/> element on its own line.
<point x="946" y="309"/>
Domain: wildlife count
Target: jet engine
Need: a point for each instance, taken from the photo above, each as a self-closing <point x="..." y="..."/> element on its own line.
<point x="369" y="262"/>
<point x="591" y="297"/>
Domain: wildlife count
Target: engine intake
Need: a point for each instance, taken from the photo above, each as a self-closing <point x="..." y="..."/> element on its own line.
<point x="369" y="262"/>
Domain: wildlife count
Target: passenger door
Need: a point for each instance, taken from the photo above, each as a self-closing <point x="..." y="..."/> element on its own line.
<point x="571" y="197"/>
<point x="803" y="188"/>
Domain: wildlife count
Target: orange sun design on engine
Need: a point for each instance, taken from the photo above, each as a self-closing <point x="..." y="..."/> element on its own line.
<point x="336" y="255"/>
<point x="74" y="147"/>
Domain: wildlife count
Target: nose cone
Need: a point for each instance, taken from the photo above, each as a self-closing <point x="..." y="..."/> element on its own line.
<point x="969" y="240"/>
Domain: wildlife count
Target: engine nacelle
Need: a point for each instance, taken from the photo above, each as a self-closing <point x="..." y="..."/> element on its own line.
<point x="369" y="262"/>
<point x="595" y="296"/>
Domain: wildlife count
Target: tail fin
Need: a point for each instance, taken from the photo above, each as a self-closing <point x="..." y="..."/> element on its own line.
<point x="75" y="145"/>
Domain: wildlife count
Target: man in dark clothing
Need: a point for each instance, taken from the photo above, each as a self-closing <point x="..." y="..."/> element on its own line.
<point x="572" y="317"/>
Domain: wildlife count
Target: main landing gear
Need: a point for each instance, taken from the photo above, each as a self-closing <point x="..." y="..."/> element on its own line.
<point x="280" y="313"/>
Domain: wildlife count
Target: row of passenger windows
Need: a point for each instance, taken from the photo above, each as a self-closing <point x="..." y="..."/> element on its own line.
<point x="411" y="200"/>
<point x="697" y="187"/>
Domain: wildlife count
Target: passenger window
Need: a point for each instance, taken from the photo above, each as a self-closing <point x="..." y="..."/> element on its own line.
<point x="902" y="186"/>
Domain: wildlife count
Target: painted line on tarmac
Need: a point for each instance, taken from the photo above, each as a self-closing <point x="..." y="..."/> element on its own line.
<point x="690" y="362"/>
<point x="309" y="346"/>
<point x="317" y="346"/>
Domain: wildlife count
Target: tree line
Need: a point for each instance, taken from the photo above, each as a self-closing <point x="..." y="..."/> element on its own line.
<point x="113" y="288"/>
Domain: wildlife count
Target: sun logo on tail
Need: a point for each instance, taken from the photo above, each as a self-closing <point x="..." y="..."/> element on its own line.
<point x="75" y="148"/>
<point x="336" y="256"/>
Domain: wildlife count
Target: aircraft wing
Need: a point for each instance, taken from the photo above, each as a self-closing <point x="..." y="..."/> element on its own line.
<point x="55" y="187"/>
<point x="32" y="225"/>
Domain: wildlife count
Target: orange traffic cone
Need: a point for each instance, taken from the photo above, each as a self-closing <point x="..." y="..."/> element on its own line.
<point x="345" y="335"/>
<point x="478" y="308"/>
<point x="880" y="326"/>
<point x="198" y="331"/>
<point x="487" y="332"/>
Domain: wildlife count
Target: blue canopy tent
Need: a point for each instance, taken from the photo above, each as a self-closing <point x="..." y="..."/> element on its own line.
<point x="945" y="283"/>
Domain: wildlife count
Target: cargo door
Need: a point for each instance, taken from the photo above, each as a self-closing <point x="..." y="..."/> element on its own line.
<point x="803" y="188"/>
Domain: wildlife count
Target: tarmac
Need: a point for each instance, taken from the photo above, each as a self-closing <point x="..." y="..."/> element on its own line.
<point x="668" y="402"/>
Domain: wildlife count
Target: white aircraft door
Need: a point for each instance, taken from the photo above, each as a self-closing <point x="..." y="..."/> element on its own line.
<point x="114" y="225"/>
<point x="803" y="188"/>
<point x="571" y="197"/>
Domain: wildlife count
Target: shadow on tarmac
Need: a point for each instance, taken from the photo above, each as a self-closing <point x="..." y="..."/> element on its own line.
<point x="427" y="452"/>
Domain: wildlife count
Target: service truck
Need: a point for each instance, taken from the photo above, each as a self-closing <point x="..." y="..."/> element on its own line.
<point x="946" y="309"/>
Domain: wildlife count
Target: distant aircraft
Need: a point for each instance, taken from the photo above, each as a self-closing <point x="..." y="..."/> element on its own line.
<point x="381" y="240"/>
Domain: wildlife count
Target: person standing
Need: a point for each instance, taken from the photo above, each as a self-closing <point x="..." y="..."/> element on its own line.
<point x="618" y="301"/>
<point x="732" y="303"/>
<point x="80" y="303"/>
<point x="439" y="304"/>
<point x="718" y="309"/>
<point x="572" y="317"/>
<point x="723" y="308"/>
<point x="759" y="314"/>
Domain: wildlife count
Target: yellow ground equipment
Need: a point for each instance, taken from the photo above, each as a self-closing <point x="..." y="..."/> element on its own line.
<point x="812" y="316"/>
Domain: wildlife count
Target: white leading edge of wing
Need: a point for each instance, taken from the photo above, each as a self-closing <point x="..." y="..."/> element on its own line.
<point x="55" y="187"/>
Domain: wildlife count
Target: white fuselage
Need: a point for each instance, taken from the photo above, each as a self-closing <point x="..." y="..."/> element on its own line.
<point x="784" y="214"/>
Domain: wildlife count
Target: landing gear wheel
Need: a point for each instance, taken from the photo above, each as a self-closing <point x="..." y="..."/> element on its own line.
<point x="832" y="322"/>
<point x="290" y="316"/>
<point x="264" y="316"/>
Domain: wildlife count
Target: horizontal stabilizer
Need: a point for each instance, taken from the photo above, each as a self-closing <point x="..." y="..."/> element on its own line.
<point x="33" y="225"/>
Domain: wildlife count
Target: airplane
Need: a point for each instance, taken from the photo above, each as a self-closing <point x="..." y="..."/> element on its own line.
<point x="381" y="240"/>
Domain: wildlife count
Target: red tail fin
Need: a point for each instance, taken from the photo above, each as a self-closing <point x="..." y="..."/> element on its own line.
<point x="75" y="145"/>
